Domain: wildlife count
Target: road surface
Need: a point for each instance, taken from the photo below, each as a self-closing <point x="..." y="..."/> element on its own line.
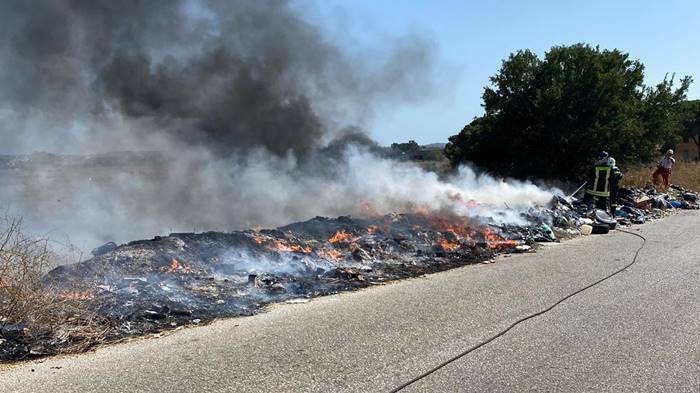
<point x="637" y="331"/>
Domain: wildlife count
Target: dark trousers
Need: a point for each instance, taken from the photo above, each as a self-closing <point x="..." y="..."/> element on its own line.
<point x="597" y="201"/>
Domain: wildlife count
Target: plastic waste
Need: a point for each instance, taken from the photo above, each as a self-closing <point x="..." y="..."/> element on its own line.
<point x="547" y="231"/>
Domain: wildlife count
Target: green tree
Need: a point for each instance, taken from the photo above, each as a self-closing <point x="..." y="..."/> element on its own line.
<point x="691" y="123"/>
<point x="548" y="117"/>
<point x="407" y="147"/>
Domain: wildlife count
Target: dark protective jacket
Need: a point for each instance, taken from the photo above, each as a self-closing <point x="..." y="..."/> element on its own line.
<point x="599" y="181"/>
<point x="615" y="177"/>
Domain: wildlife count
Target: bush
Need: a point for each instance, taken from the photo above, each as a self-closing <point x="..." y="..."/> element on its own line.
<point x="35" y="317"/>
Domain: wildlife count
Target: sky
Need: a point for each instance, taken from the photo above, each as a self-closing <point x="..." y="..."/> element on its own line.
<point x="471" y="38"/>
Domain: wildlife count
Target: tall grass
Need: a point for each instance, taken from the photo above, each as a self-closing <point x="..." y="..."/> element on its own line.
<point x="685" y="174"/>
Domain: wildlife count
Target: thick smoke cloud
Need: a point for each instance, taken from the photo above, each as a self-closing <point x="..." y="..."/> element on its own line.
<point x="228" y="75"/>
<point x="254" y="116"/>
<point x="259" y="190"/>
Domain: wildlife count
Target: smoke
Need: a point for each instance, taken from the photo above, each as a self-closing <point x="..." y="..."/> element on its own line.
<point x="246" y="103"/>
<point x="201" y="192"/>
<point x="227" y="75"/>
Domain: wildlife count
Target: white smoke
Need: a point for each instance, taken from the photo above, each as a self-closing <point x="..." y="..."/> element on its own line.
<point x="239" y="98"/>
<point x="193" y="191"/>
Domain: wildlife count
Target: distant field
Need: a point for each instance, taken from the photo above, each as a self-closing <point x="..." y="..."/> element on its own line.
<point x="685" y="174"/>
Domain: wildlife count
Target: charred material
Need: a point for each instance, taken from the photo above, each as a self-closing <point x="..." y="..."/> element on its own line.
<point x="187" y="278"/>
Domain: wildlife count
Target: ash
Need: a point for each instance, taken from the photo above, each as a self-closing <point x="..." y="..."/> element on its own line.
<point x="148" y="286"/>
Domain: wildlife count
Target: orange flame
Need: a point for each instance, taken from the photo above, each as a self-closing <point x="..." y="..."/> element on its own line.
<point x="78" y="295"/>
<point x="448" y="245"/>
<point x="282" y="247"/>
<point x="371" y="229"/>
<point x="331" y="254"/>
<point x="342" y="237"/>
<point x="176" y="266"/>
<point x="494" y="240"/>
<point x="458" y="226"/>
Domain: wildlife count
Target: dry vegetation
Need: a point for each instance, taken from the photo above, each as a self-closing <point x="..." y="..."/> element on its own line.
<point x="35" y="317"/>
<point x="685" y="174"/>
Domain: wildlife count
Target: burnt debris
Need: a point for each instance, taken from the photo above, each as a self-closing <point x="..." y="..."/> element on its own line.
<point x="148" y="286"/>
<point x="187" y="278"/>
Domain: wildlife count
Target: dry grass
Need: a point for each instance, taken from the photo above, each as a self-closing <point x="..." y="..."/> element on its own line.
<point x="685" y="174"/>
<point x="27" y="300"/>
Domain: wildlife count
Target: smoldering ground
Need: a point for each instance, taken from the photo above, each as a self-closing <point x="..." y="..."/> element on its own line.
<point x="244" y="101"/>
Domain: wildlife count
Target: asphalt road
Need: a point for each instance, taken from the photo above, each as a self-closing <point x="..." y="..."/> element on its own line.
<point x="638" y="331"/>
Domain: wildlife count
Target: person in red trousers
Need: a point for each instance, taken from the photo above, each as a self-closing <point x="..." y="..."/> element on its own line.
<point x="664" y="169"/>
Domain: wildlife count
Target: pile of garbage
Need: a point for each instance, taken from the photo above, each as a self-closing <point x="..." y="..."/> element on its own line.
<point x="148" y="286"/>
<point x="635" y="206"/>
<point x="639" y="205"/>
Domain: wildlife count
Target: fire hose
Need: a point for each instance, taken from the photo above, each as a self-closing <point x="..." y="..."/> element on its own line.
<point x="523" y="319"/>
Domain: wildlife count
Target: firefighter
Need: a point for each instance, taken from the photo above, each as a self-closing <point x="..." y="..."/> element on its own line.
<point x="598" y="191"/>
<point x="615" y="177"/>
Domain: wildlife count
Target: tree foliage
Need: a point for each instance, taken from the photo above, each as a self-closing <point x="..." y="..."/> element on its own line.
<point x="690" y="112"/>
<point x="548" y="117"/>
<point x="408" y="147"/>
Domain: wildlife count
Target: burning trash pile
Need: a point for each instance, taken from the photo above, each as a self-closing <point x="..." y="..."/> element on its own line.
<point x="188" y="278"/>
<point x="153" y="285"/>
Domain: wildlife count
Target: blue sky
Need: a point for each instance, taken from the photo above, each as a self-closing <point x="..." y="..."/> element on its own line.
<point x="472" y="37"/>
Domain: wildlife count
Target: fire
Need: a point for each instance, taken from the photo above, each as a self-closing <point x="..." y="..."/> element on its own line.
<point x="78" y="295"/>
<point x="282" y="247"/>
<point x="301" y="249"/>
<point x="371" y="229"/>
<point x="444" y="225"/>
<point x="458" y="226"/>
<point x="447" y="245"/>
<point x="342" y="237"/>
<point x="494" y="240"/>
<point x="331" y="254"/>
<point x="176" y="266"/>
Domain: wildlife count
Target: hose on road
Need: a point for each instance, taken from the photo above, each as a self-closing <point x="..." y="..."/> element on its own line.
<point x="521" y="320"/>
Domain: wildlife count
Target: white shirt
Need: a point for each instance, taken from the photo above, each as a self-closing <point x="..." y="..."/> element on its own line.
<point x="667" y="162"/>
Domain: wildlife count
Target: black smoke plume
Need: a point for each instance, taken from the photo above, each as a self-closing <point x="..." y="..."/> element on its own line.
<point x="254" y="115"/>
<point x="228" y="75"/>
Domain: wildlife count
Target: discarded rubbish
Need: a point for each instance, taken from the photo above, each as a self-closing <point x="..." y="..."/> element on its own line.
<point x="147" y="286"/>
<point x="103" y="249"/>
<point x="600" y="229"/>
